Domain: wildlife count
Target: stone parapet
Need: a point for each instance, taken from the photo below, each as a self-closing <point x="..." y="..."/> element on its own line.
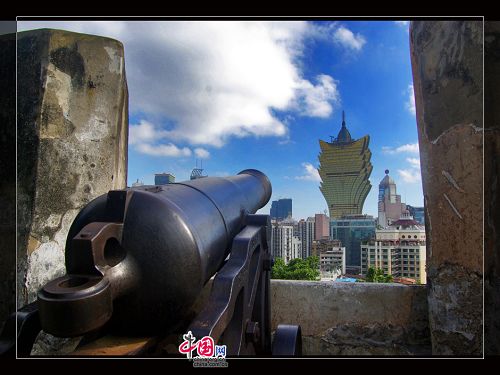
<point x="72" y="141"/>
<point x="354" y="318"/>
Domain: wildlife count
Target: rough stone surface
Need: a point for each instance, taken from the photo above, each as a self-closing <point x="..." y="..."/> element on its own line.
<point x="8" y="175"/>
<point x="354" y="318"/>
<point x="492" y="191"/>
<point x="72" y="141"/>
<point x="448" y="79"/>
<point x="456" y="320"/>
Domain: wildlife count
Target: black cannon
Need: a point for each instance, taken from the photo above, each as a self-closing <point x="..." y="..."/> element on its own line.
<point x="138" y="258"/>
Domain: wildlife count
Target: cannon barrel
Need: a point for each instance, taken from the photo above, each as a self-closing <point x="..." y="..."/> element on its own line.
<point x="138" y="258"/>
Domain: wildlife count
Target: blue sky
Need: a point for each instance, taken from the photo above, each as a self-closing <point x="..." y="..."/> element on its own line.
<point x="240" y="95"/>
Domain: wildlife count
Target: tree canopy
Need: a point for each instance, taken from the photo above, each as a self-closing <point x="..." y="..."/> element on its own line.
<point x="296" y="269"/>
<point x="376" y="275"/>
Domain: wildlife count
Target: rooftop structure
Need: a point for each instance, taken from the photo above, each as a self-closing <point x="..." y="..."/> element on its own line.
<point x="164" y="178"/>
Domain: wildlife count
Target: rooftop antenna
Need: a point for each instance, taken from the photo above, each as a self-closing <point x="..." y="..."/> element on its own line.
<point x="332" y="138"/>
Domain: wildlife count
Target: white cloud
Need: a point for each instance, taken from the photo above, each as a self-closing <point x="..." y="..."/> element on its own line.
<point x="144" y="132"/>
<point x="414" y="162"/>
<point x="409" y="148"/>
<point x="348" y="39"/>
<point x="317" y="100"/>
<point x="410" y="103"/>
<point x="338" y="34"/>
<point x="215" y="80"/>
<point x="163" y="150"/>
<point x="201" y="153"/>
<point x="146" y="138"/>
<point x="311" y="173"/>
<point x="410" y="176"/>
<point x="402" y="23"/>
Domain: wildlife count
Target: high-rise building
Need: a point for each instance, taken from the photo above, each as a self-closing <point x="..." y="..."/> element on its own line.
<point x="164" y="178"/>
<point x="351" y="230"/>
<point x="399" y="250"/>
<point x="283" y="242"/>
<point x="281" y="209"/>
<point x="331" y="255"/>
<point x="390" y="207"/>
<point x="322" y="226"/>
<point x="296" y="250"/>
<point x="306" y="233"/>
<point x="345" y="169"/>
<point x="417" y="213"/>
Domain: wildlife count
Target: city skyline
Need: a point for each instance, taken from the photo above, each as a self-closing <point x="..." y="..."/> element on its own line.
<point x="261" y="94"/>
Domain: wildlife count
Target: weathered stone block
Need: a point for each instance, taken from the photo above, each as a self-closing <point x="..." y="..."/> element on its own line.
<point x="354" y="318"/>
<point x="448" y="80"/>
<point x="72" y="141"/>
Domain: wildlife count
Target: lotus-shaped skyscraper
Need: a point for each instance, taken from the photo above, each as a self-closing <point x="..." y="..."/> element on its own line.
<point x="345" y="169"/>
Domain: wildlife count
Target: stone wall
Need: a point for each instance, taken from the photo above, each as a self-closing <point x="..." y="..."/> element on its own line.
<point x="353" y="318"/>
<point x="447" y="64"/>
<point x="492" y="191"/>
<point x="72" y="141"/>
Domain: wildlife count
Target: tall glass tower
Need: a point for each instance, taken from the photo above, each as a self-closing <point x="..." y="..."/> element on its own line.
<point x="352" y="230"/>
<point x="345" y="169"/>
<point x="281" y="209"/>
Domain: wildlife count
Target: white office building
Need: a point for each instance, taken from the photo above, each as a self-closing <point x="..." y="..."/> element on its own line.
<point x="284" y="243"/>
<point x="306" y="231"/>
<point x="399" y="250"/>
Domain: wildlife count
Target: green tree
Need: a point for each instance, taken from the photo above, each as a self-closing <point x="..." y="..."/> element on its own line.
<point x="313" y="262"/>
<point x="296" y="269"/>
<point x="388" y="279"/>
<point x="376" y="275"/>
<point x="279" y="269"/>
<point x="370" y="275"/>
